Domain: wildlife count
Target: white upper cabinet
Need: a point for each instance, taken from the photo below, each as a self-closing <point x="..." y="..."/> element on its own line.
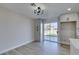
<point x="69" y="17"/>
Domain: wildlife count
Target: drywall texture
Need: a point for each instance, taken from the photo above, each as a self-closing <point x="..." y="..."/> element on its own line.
<point x="15" y="30"/>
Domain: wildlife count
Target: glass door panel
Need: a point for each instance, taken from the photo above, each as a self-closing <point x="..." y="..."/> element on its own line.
<point x="50" y="31"/>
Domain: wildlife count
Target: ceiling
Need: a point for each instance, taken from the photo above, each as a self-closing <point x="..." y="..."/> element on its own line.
<point x="52" y="10"/>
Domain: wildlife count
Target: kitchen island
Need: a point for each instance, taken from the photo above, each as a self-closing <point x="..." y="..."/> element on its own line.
<point x="74" y="46"/>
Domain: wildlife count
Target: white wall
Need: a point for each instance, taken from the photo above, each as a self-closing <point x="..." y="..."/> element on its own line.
<point x="53" y="19"/>
<point x="15" y="30"/>
<point x="37" y="29"/>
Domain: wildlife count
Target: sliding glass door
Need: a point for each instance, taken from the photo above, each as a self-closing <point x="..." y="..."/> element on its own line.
<point x="50" y="32"/>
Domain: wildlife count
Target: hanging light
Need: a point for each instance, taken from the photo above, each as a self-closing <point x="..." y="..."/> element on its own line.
<point x="38" y="10"/>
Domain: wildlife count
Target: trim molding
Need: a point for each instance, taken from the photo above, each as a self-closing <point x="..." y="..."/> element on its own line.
<point x="6" y="50"/>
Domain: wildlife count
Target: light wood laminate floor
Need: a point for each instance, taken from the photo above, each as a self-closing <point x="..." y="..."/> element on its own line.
<point x="37" y="48"/>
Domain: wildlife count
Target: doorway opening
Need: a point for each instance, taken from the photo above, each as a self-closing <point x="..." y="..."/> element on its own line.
<point x="50" y="32"/>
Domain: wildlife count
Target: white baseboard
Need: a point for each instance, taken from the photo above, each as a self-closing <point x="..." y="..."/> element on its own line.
<point x="6" y="50"/>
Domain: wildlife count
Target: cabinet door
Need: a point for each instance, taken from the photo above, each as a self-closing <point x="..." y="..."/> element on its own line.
<point x="77" y="29"/>
<point x="69" y="18"/>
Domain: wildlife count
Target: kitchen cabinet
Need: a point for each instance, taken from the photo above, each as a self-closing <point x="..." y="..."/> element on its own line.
<point x="74" y="46"/>
<point x="69" y="27"/>
<point x="69" y="17"/>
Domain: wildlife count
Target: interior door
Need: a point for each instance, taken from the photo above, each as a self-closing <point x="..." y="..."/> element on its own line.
<point x="68" y="30"/>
